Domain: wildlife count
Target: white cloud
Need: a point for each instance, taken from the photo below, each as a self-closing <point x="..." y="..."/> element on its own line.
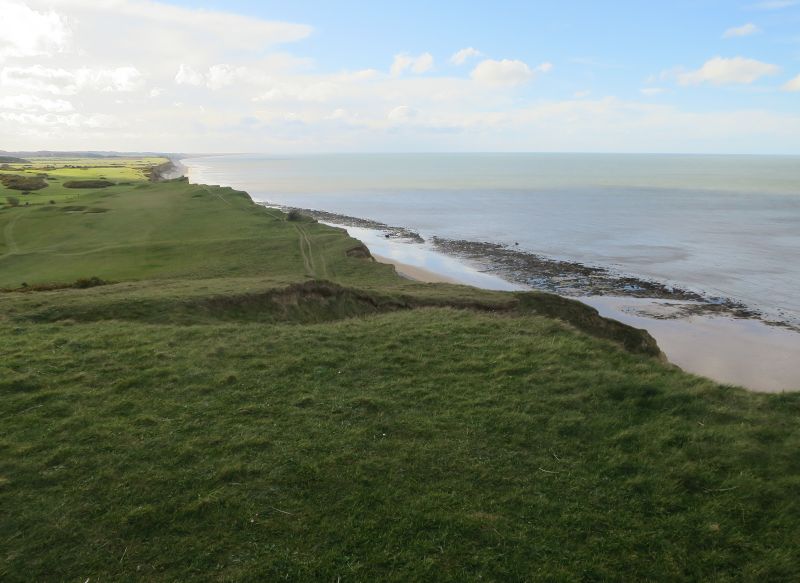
<point x="722" y="71"/>
<point x="224" y="75"/>
<point x="419" y="64"/>
<point x="309" y="89"/>
<point x="793" y="85"/>
<point x="35" y="103"/>
<point x="169" y="30"/>
<point x="220" y="76"/>
<point x="65" y="82"/>
<point x="65" y="121"/>
<point x="186" y="75"/>
<point x="401" y="113"/>
<point x="464" y="55"/>
<point x="363" y="75"/>
<point x="505" y="72"/>
<point x="744" y="30"/>
<point x="39" y="78"/>
<point x="186" y="79"/>
<point x="651" y="91"/>
<point x="25" y="32"/>
<point x="118" y="79"/>
<point x="581" y="94"/>
<point x="423" y="64"/>
<point x="401" y="62"/>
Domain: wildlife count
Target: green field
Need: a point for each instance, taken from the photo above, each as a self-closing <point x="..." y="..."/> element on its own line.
<point x="63" y="170"/>
<point x="248" y="398"/>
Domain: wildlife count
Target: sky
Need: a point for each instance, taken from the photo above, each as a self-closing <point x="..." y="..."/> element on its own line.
<point x="701" y="76"/>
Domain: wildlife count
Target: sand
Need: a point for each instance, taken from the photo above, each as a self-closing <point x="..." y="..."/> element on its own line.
<point x="415" y="273"/>
<point x="743" y="352"/>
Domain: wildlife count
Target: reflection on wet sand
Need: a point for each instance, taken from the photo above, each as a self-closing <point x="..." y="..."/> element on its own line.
<point x="742" y="352"/>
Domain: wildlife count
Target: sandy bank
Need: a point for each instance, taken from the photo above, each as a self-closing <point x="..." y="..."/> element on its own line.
<point x="737" y="351"/>
<point x="416" y="273"/>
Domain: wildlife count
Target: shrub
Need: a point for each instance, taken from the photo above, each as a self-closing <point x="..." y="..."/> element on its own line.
<point x="88" y="184"/>
<point x="295" y="215"/>
<point x="19" y="182"/>
<point x="12" y="201"/>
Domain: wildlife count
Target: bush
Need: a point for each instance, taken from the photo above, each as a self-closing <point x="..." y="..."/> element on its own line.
<point x="19" y="182"/>
<point x="295" y="215"/>
<point x="12" y="201"/>
<point x="88" y="184"/>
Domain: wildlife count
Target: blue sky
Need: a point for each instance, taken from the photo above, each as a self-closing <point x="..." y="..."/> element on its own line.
<point x="307" y="76"/>
<point x="606" y="47"/>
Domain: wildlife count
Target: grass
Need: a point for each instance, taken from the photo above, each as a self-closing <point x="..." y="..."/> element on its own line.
<point x="216" y="412"/>
<point x="60" y="170"/>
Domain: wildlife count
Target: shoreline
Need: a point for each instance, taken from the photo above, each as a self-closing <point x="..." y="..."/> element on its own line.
<point x="571" y="279"/>
<point x="717" y="338"/>
<point x="736" y="351"/>
<point x="716" y="341"/>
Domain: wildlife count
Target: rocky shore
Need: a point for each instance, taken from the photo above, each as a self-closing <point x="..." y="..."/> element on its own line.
<point x="565" y="278"/>
<point x="574" y="279"/>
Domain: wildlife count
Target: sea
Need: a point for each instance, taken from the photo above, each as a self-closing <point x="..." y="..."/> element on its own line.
<point x="724" y="226"/>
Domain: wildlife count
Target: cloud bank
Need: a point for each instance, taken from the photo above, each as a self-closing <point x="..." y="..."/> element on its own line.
<point x="179" y="79"/>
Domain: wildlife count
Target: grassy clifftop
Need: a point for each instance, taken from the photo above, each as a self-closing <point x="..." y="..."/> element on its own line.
<point x="248" y="399"/>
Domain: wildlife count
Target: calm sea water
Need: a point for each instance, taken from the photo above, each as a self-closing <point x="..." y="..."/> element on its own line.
<point x="724" y="225"/>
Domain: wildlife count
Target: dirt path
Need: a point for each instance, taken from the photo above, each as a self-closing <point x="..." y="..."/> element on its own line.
<point x="308" y="255"/>
<point x="305" y="250"/>
<point x="8" y="234"/>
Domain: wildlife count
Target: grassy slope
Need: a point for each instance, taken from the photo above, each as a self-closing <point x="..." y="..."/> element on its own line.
<point x="182" y="424"/>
